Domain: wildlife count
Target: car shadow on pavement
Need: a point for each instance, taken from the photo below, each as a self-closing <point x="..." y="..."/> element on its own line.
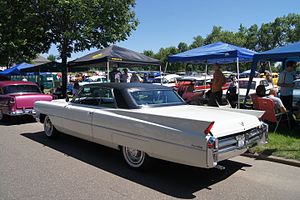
<point x="17" y="121"/>
<point x="169" y="178"/>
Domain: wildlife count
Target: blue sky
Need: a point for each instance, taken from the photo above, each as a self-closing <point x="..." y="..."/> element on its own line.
<point x="165" y="23"/>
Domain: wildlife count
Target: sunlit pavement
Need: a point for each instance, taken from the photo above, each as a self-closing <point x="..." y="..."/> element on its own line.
<point x="34" y="167"/>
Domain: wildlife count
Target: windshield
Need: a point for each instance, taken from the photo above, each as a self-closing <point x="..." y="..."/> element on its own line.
<point x="21" y="89"/>
<point x="156" y="97"/>
<point x="244" y="84"/>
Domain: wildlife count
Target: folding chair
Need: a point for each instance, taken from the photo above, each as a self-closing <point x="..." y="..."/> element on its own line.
<point x="270" y="115"/>
<point x="255" y="98"/>
<point x="181" y="90"/>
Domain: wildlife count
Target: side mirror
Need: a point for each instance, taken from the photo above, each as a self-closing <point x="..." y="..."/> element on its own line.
<point x="67" y="99"/>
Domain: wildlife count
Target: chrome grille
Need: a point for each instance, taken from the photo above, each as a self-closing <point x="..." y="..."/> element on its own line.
<point x="239" y="140"/>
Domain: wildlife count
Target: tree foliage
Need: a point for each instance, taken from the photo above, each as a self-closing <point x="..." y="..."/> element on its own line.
<point x="30" y="27"/>
<point x="22" y="32"/>
<point x="52" y="58"/>
<point x="258" y="38"/>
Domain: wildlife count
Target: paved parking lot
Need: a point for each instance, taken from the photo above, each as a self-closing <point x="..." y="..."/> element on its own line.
<point x="34" y="167"/>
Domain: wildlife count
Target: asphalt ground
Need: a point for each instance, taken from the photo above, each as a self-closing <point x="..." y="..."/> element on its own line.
<point x="34" y="167"/>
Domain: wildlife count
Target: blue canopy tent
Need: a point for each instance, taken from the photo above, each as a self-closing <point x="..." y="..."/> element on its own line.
<point x="221" y="53"/>
<point x="16" y="70"/>
<point x="280" y="54"/>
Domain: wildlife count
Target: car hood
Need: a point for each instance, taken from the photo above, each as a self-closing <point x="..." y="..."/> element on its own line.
<point x="226" y="121"/>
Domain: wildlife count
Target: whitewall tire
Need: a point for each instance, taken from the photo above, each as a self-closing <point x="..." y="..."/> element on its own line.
<point x="135" y="158"/>
<point x="50" y="130"/>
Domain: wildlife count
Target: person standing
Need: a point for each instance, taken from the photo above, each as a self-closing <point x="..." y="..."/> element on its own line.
<point x="76" y="88"/>
<point x="115" y="75"/>
<point x="232" y="92"/>
<point x="286" y="83"/>
<point x="216" y="88"/>
<point x="125" y="76"/>
<point x="135" y="78"/>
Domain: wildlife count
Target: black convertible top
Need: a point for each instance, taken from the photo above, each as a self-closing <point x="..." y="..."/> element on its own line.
<point x="122" y="92"/>
<point x="122" y="86"/>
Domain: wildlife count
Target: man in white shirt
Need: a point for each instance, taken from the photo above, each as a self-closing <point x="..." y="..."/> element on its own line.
<point x="278" y="103"/>
<point x="261" y="92"/>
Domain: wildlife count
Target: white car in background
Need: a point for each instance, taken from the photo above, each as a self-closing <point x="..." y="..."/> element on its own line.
<point x="168" y="80"/>
<point x="243" y="83"/>
<point x="93" y="79"/>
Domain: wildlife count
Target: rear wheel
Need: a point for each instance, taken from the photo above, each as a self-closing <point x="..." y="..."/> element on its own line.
<point x="50" y="130"/>
<point x="135" y="158"/>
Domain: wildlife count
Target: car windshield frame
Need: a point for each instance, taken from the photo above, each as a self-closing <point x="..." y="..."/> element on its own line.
<point x="19" y="90"/>
<point x="135" y="101"/>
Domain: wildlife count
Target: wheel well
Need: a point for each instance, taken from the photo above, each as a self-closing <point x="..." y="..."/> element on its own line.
<point x="42" y="117"/>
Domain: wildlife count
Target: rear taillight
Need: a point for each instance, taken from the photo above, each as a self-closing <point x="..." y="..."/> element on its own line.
<point x="12" y="101"/>
<point x="212" y="142"/>
<point x="208" y="129"/>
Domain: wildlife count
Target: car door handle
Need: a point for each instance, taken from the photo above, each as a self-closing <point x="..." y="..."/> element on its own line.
<point x="90" y="113"/>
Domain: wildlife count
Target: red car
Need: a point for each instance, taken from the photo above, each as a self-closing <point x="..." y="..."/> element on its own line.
<point x="18" y="98"/>
<point x="188" y="88"/>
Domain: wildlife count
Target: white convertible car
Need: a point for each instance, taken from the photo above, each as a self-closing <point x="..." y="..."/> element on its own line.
<point x="148" y="121"/>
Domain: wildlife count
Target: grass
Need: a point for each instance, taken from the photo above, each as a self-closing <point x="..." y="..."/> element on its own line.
<point x="284" y="143"/>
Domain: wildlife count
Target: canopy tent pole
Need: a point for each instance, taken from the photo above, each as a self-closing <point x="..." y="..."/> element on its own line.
<point x="107" y="69"/>
<point x="160" y="72"/>
<point x="166" y="67"/>
<point x="161" y="80"/>
<point x="205" y="75"/>
<point x="270" y="68"/>
<point x="238" y="80"/>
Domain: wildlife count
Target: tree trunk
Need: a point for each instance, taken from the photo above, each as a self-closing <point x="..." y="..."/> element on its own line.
<point x="64" y="74"/>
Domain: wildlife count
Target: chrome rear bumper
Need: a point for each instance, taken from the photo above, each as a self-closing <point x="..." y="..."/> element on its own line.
<point x="22" y="112"/>
<point x="237" y="144"/>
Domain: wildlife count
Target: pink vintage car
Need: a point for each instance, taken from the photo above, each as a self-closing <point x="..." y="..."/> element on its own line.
<point x="18" y="97"/>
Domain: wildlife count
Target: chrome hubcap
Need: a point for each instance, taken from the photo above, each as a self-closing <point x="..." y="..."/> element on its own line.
<point x="48" y="127"/>
<point x="134" y="157"/>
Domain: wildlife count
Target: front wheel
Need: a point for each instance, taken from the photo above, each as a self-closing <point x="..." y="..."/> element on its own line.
<point x="50" y="130"/>
<point x="135" y="158"/>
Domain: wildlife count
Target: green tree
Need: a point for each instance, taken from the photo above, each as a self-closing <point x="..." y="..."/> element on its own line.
<point x="182" y="46"/>
<point x="149" y="53"/>
<point x="22" y="32"/>
<point x="251" y="38"/>
<point x="52" y="58"/>
<point x="76" y="25"/>
<point x="198" y="41"/>
<point x="73" y="25"/>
